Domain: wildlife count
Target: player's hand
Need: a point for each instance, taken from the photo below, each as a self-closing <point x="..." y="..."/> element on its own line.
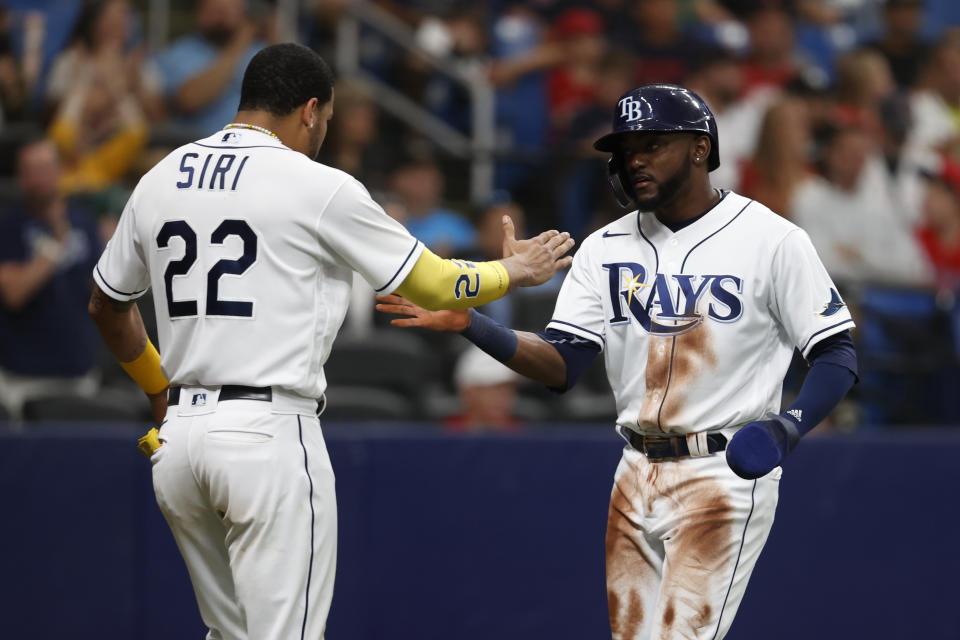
<point x="534" y="261"/>
<point x="759" y="447"/>
<point x="417" y="316"/>
<point x="158" y="406"/>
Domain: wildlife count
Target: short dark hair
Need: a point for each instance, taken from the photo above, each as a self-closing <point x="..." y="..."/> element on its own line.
<point x="282" y="77"/>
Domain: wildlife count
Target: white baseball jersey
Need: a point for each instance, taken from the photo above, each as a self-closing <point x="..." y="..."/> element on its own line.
<point x="698" y="327"/>
<point x="250" y="247"/>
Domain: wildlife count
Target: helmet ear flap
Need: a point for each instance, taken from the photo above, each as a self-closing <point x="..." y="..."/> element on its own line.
<point x="619" y="182"/>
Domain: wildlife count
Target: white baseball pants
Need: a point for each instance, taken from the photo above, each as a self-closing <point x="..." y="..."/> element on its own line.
<point x="249" y="497"/>
<point x="683" y="536"/>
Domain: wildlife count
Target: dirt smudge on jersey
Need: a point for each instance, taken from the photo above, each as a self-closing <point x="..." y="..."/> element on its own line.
<point x="673" y="362"/>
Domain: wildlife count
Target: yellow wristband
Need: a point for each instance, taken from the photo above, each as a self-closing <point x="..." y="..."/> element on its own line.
<point x="146" y="371"/>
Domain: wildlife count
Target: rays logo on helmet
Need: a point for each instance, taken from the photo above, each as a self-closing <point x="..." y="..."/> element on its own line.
<point x="630" y="109"/>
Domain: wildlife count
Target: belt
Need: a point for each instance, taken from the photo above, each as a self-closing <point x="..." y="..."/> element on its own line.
<point x="658" y="447"/>
<point x="230" y="392"/>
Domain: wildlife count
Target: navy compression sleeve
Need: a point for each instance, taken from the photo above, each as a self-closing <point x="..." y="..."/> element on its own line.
<point x="578" y="353"/>
<point x="491" y="336"/>
<point x="833" y="371"/>
<point x="762" y="445"/>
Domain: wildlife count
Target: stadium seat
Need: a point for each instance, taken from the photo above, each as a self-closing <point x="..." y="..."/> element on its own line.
<point x="109" y="405"/>
<point x="354" y="403"/>
<point x="388" y="358"/>
<point x="908" y="360"/>
<point x="532" y="309"/>
<point x="586" y="405"/>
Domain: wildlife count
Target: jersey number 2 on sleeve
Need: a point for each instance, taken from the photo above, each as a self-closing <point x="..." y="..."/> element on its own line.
<point x="214" y="305"/>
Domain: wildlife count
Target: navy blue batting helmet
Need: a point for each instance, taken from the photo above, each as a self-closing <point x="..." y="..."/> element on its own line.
<point x="657" y="107"/>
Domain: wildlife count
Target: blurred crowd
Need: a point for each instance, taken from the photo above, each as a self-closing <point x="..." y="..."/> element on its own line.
<point x="841" y="115"/>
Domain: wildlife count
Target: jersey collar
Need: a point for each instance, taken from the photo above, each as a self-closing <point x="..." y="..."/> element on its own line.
<point x="708" y="223"/>
<point x="240" y="138"/>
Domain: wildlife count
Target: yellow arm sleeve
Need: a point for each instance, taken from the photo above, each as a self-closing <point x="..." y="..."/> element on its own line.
<point x="435" y="283"/>
<point x="145" y="370"/>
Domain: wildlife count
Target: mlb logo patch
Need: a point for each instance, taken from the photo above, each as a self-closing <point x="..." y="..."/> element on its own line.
<point x="230" y="137"/>
<point x="199" y="400"/>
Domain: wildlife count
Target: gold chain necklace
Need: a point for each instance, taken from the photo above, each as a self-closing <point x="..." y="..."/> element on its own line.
<point x="242" y="125"/>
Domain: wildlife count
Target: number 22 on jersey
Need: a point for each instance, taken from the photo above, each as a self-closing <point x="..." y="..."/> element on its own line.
<point x="181" y="267"/>
<point x="220" y="178"/>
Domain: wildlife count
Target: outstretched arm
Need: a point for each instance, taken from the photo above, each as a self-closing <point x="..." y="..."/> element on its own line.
<point x="435" y="283"/>
<point x="526" y="353"/>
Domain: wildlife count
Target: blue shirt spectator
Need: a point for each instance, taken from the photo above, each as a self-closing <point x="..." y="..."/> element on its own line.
<point x="442" y="228"/>
<point x="201" y="74"/>
<point x="419" y="185"/>
<point x="51" y="334"/>
<point x="48" y="248"/>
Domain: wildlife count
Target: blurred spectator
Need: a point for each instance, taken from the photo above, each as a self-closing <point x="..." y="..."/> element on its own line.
<point x="521" y="57"/>
<point x="663" y="51"/>
<point x="101" y="51"/>
<point x="940" y="231"/>
<point x="863" y="86"/>
<point x="509" y="310"/>
<point x="573" y="85"/>
<point x="487" y="390"/>
<point x="936" y="103"/>
<point x="490" y="247"/>
<point x="34" y="45"/>
<point x="353" y="144"/>
<point x="419" y="185"/>
<point x="716" y="77"/>
<point x="851" y="217"/>
<point x="13" y="86"/>
<point x="48" y="249"/>
<point x="99" y="129"/>
<point x="461" y="40"/>
<point x="201" y="73"/>
<point x="489" y="233"/>
<point x="583" y="192"/>
<point x="780" y="162"/>
<point x="770" y="61"/>
<point x="904" y="166"/>
<point x="902" y="42"/>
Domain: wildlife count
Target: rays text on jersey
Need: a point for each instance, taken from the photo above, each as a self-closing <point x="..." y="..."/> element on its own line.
<point x="220" y="174"/>
<point x="676" y="303"/>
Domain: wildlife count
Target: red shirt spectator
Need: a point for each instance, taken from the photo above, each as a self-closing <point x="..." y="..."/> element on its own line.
<point x="940" y="232"/>
<point x="771" y="61"/>
<point x="573" y="85"/>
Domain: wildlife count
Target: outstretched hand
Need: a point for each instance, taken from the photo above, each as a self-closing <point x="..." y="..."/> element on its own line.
<point x="536" y="260"/>
<point x="416" y="316"/>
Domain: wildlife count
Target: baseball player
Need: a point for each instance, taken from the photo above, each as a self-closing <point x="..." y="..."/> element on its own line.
<point x="250" y="247"/>
<point x="697" y="299"/>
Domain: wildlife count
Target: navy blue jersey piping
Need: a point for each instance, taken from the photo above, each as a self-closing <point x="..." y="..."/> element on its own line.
<point x="684" y="264"/>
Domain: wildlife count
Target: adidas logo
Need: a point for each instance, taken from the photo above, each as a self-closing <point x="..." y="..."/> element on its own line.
<point x="796" y="413"/>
